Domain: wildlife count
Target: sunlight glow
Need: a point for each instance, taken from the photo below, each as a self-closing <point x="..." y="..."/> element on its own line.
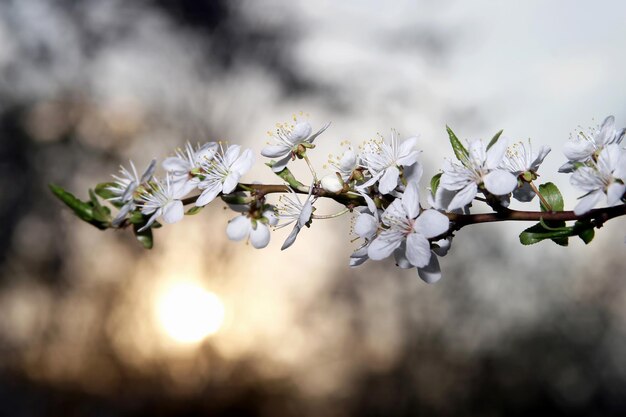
<point x="188" y="313"/>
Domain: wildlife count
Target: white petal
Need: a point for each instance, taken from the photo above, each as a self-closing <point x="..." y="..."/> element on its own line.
<point x="358" y="257"/>
<point x="151" y="220"/>
<point x="500" y="182"/>
<point x="260" y="237"/>
<point x="311" y="138"/>
<point x="578" y="150"/>
<point x="230" y="182"/>
<point x="400" y="256"/>
<point x="173" y="212"/>
<point x="238" y="228"/>
<point x="411" y="200"/>
<point x="365" y="226"/>
<point x="243" y="163"/>
<point x="409" y="159"/>
<point x="463" y="197"/>
<point x="407" y="146"/>
<point x="281" y="164"/>
<point x="609" y="158"/>
<point x="300" y="132"/>
<point x="275" y="151"/>
<point x="231" y="154"/>
<point x="176" y="165"/>
<point x="431" y="273"/>
<point x="291" y="238"/>
<point x="495" y="154"/>
<point x="209" y="194"/>
<point x="413" y="173"/>
<point x="389" y="180"/>
<point x="126" y="208"/>
<point x="149" y="172"/>
<point x="305" y="214"/>
<point x="431" y="223"/>
<point x="205" y="153"/>
<point x="588" y="202"/>
<point x="271" y="217"/>
<point x="607" y="131"/>
<point x="384" y="245"/>
<point x="443" y="246"/>
<point x="614" y="193"/>
<point x="417" y="250"/>
<point x="348" y="161"/>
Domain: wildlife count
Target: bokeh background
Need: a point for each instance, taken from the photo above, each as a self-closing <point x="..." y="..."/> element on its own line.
<point x="509" y="330"/>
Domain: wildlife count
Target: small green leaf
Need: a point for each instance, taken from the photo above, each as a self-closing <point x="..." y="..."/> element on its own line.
<point x="194" y="210"/>
<point x="434" y="183"/>
<point x="494" y="139"/>
<point x="553" y="196"/>
<point x="537" y="233"/>
<point x="287" y="176"/>
<point x="82" y="209"/>
<point x="100" y="213"/>
<point x="144" y="237"/>
<point x="458" y="148"/>
<point x="558" y="226"/>
<point x="585" y="231"/>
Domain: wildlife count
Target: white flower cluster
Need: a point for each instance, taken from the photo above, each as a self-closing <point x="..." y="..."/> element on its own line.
<point x="495" y="169"/>
<point x="379" y="181"/>
<point x="209" y="168"/>
<point x="598" y="163"/>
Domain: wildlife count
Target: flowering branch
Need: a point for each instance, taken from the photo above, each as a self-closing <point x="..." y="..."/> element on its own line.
<point x="379" y="184"/>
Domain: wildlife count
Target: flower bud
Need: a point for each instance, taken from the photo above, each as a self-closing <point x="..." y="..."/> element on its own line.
<point x="332" y="183"/>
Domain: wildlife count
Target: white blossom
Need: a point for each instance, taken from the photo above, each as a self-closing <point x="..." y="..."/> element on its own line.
<point x="293" y="210"/>
<point x="255" y="230"/>
<point x="287" y="138"/>
<point x="161" y="200"/>
<point x="584" y="145"/>
<point x="125" y="187"/>
<point x="606" y="177"/>
<point x="365" y="227"/>
<point x="383" y="160"/>
<point x="222" y="173"/>
<point x="520" y="160"/>
<point x="183" y="165"/>
<point x="409" y="228"/>
<point x="481" y="166"/>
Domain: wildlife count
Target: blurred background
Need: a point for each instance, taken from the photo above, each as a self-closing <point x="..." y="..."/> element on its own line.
<point x="93" y="325"/>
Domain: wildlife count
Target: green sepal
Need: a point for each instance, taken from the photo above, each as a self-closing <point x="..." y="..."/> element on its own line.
<point x="85" y="210"/>
<point x="287" y="176"/>
<point x="434" y="184"/>
<point x="144" y="237"/>
<point x="553" y="196"/>
<point x="103" y="190"/>
<point x="494" y="139"/>
<point x="193" y="210"/>
<point x="458" y="148"/>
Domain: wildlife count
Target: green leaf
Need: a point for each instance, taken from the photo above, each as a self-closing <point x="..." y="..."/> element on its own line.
<point x="144" y="237"/>
<point x="494" y="139"/>
<point x="88" y="211"/>
<point x="458" y="148"/>
<point x="82" y="209"/>
<point x="100" y="213"/>
<point x="585" y="231"/>
<point x="553" y="196"/>
<point x="434" y="183"/>
<point x="537" y="233"/>
<point x="194" y="210"/>
<point x="287" y="176"/>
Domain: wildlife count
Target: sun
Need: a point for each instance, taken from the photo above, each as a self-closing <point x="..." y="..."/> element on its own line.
<point x="188" y="313"/>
